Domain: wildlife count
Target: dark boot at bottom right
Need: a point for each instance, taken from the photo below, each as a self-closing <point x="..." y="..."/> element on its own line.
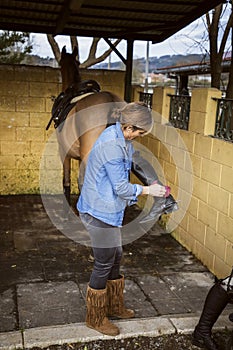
<point x="215" y="302"/>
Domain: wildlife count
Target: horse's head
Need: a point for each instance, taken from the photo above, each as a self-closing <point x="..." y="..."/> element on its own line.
<point x="69" y="68"/>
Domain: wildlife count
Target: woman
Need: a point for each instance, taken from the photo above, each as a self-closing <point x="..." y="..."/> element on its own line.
<point x="105" y="194"/>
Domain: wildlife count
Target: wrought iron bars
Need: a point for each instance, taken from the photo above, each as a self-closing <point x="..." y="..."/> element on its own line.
<point x="146" y="97"/>
<point x="224" y="119"/>
<point x="179" y="111"/>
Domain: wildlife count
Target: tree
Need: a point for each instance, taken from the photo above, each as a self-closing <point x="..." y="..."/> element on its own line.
<point x="14" y="46"/>
<point x="218" y="33"/>
<point x="91" y="59"/>
<point x="218" y="26"/>
<point x="217" y="54"/>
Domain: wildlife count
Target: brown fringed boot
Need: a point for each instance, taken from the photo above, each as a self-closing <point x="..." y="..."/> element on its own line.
<point x="96" y="301"/>
<point x="116" y="307"/>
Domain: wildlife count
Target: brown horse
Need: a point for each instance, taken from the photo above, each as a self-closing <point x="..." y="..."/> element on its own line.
<point x="84" y="123"/>
<point x="86" y="120"/>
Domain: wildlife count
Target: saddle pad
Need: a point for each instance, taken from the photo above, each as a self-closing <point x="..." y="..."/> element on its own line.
<point x="78" y="98"/>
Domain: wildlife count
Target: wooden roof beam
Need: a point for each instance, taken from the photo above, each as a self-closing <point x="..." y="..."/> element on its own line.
<point x="68" y="7"/>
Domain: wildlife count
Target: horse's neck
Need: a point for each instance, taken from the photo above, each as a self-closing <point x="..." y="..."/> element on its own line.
<point x="70" y="80"/>
<point x="68" y="84"/>
<point x="65" y="85"/>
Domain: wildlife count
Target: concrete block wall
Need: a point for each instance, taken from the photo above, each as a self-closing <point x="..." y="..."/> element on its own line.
<point x="25" y="106"/>
<point x="205" y="189"/>
<point x="207" y="226"/>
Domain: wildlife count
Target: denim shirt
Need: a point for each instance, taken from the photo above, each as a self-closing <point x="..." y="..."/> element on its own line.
<point x="106" y="189"/>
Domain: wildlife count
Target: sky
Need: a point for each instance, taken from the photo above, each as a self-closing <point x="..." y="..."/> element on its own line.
<point x="184" y="42"/>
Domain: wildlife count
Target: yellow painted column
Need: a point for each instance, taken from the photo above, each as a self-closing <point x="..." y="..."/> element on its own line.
<point x="161" y="102"/>
<point x="203" y="110"/>
<point x="136" y="89"/>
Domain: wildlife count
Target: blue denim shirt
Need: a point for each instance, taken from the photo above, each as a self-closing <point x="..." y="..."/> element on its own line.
<point x="106" y="190"/>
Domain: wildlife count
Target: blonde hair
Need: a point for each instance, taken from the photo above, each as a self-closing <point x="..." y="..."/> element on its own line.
<point x="136" y="114"/>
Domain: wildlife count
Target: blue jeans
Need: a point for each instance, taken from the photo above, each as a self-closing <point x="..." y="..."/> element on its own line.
<point x="107" y="251"/>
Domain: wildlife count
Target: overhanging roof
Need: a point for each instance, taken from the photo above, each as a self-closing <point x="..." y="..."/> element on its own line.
<point x="152" y="20"/>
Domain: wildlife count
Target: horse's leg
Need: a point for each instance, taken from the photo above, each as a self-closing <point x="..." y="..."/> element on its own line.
<point x="66" y="178"/>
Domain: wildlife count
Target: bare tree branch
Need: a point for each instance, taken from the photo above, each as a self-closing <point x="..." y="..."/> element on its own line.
<point x="214" y="29"/>
<point x="216" y="53"/>
<point x="207" y="16"/>
<point x="93" y="48"/>
<point x="226" y="34"/>
<point x="92" y="59"/>
<point x="229" y="91"/>
<point x="54" y="47"/>
<point x="74" y="43"/>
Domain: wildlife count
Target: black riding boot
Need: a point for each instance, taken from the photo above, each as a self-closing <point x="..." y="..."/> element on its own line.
<point x="160" y="206"/>
<point x="147" y="175"/>
<point x="215" y="303"/>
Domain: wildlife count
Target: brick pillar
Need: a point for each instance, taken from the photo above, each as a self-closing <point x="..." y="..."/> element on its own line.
<point x="203" y="110"/>
<point x="161" y="102"/>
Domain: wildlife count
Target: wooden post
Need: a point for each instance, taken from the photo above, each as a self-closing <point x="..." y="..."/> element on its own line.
<point x="129" y="69"/>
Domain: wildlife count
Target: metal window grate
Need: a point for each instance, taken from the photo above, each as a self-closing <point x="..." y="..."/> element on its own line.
<point x="179" y="111"/>
<point x="224" y="119"/>
<point x="146" y="97"/>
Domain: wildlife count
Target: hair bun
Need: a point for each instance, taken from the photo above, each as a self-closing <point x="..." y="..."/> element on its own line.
<point x="116" y="114"/>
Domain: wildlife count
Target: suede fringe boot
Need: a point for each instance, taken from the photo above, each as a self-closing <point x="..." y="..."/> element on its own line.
<point x="115" y="296"/>
<point x="215" y="303"/>
<point x="96" y="301"/>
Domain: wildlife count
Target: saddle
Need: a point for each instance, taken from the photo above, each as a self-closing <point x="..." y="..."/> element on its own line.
<point x="65" y="101"/>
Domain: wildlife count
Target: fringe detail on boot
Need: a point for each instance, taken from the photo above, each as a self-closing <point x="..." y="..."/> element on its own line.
<point x="96" y="306"/>
<point x="115" y="299"/>
<point x="115" y="290"/>
<point x="96" y="301"/>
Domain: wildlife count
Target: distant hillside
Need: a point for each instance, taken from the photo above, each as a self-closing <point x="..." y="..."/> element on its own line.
<point x="139" y="63"/>
<point x="157" y="62"/>
<point x="36" y="60"/>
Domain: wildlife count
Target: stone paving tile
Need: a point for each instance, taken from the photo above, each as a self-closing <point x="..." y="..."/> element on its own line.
<point x="171" y="306"/>
<point x="19" y="268"/>
<point x="46" y="336"/>
<point x="187" y="324"/>
<point x="161" y="296"/>
<point x="52" y="303"/>
<point x="24" y="241"/>
<point x="193" y="304"/>
<point x="136" y="299"/>
<point x="54" y="268"/>
<point x="11" y="341"/>
<point x="8" y="319"/>
<point x="184" y="324"/>
<point x="189" y="284"/>
<point x="155" y="287"/>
